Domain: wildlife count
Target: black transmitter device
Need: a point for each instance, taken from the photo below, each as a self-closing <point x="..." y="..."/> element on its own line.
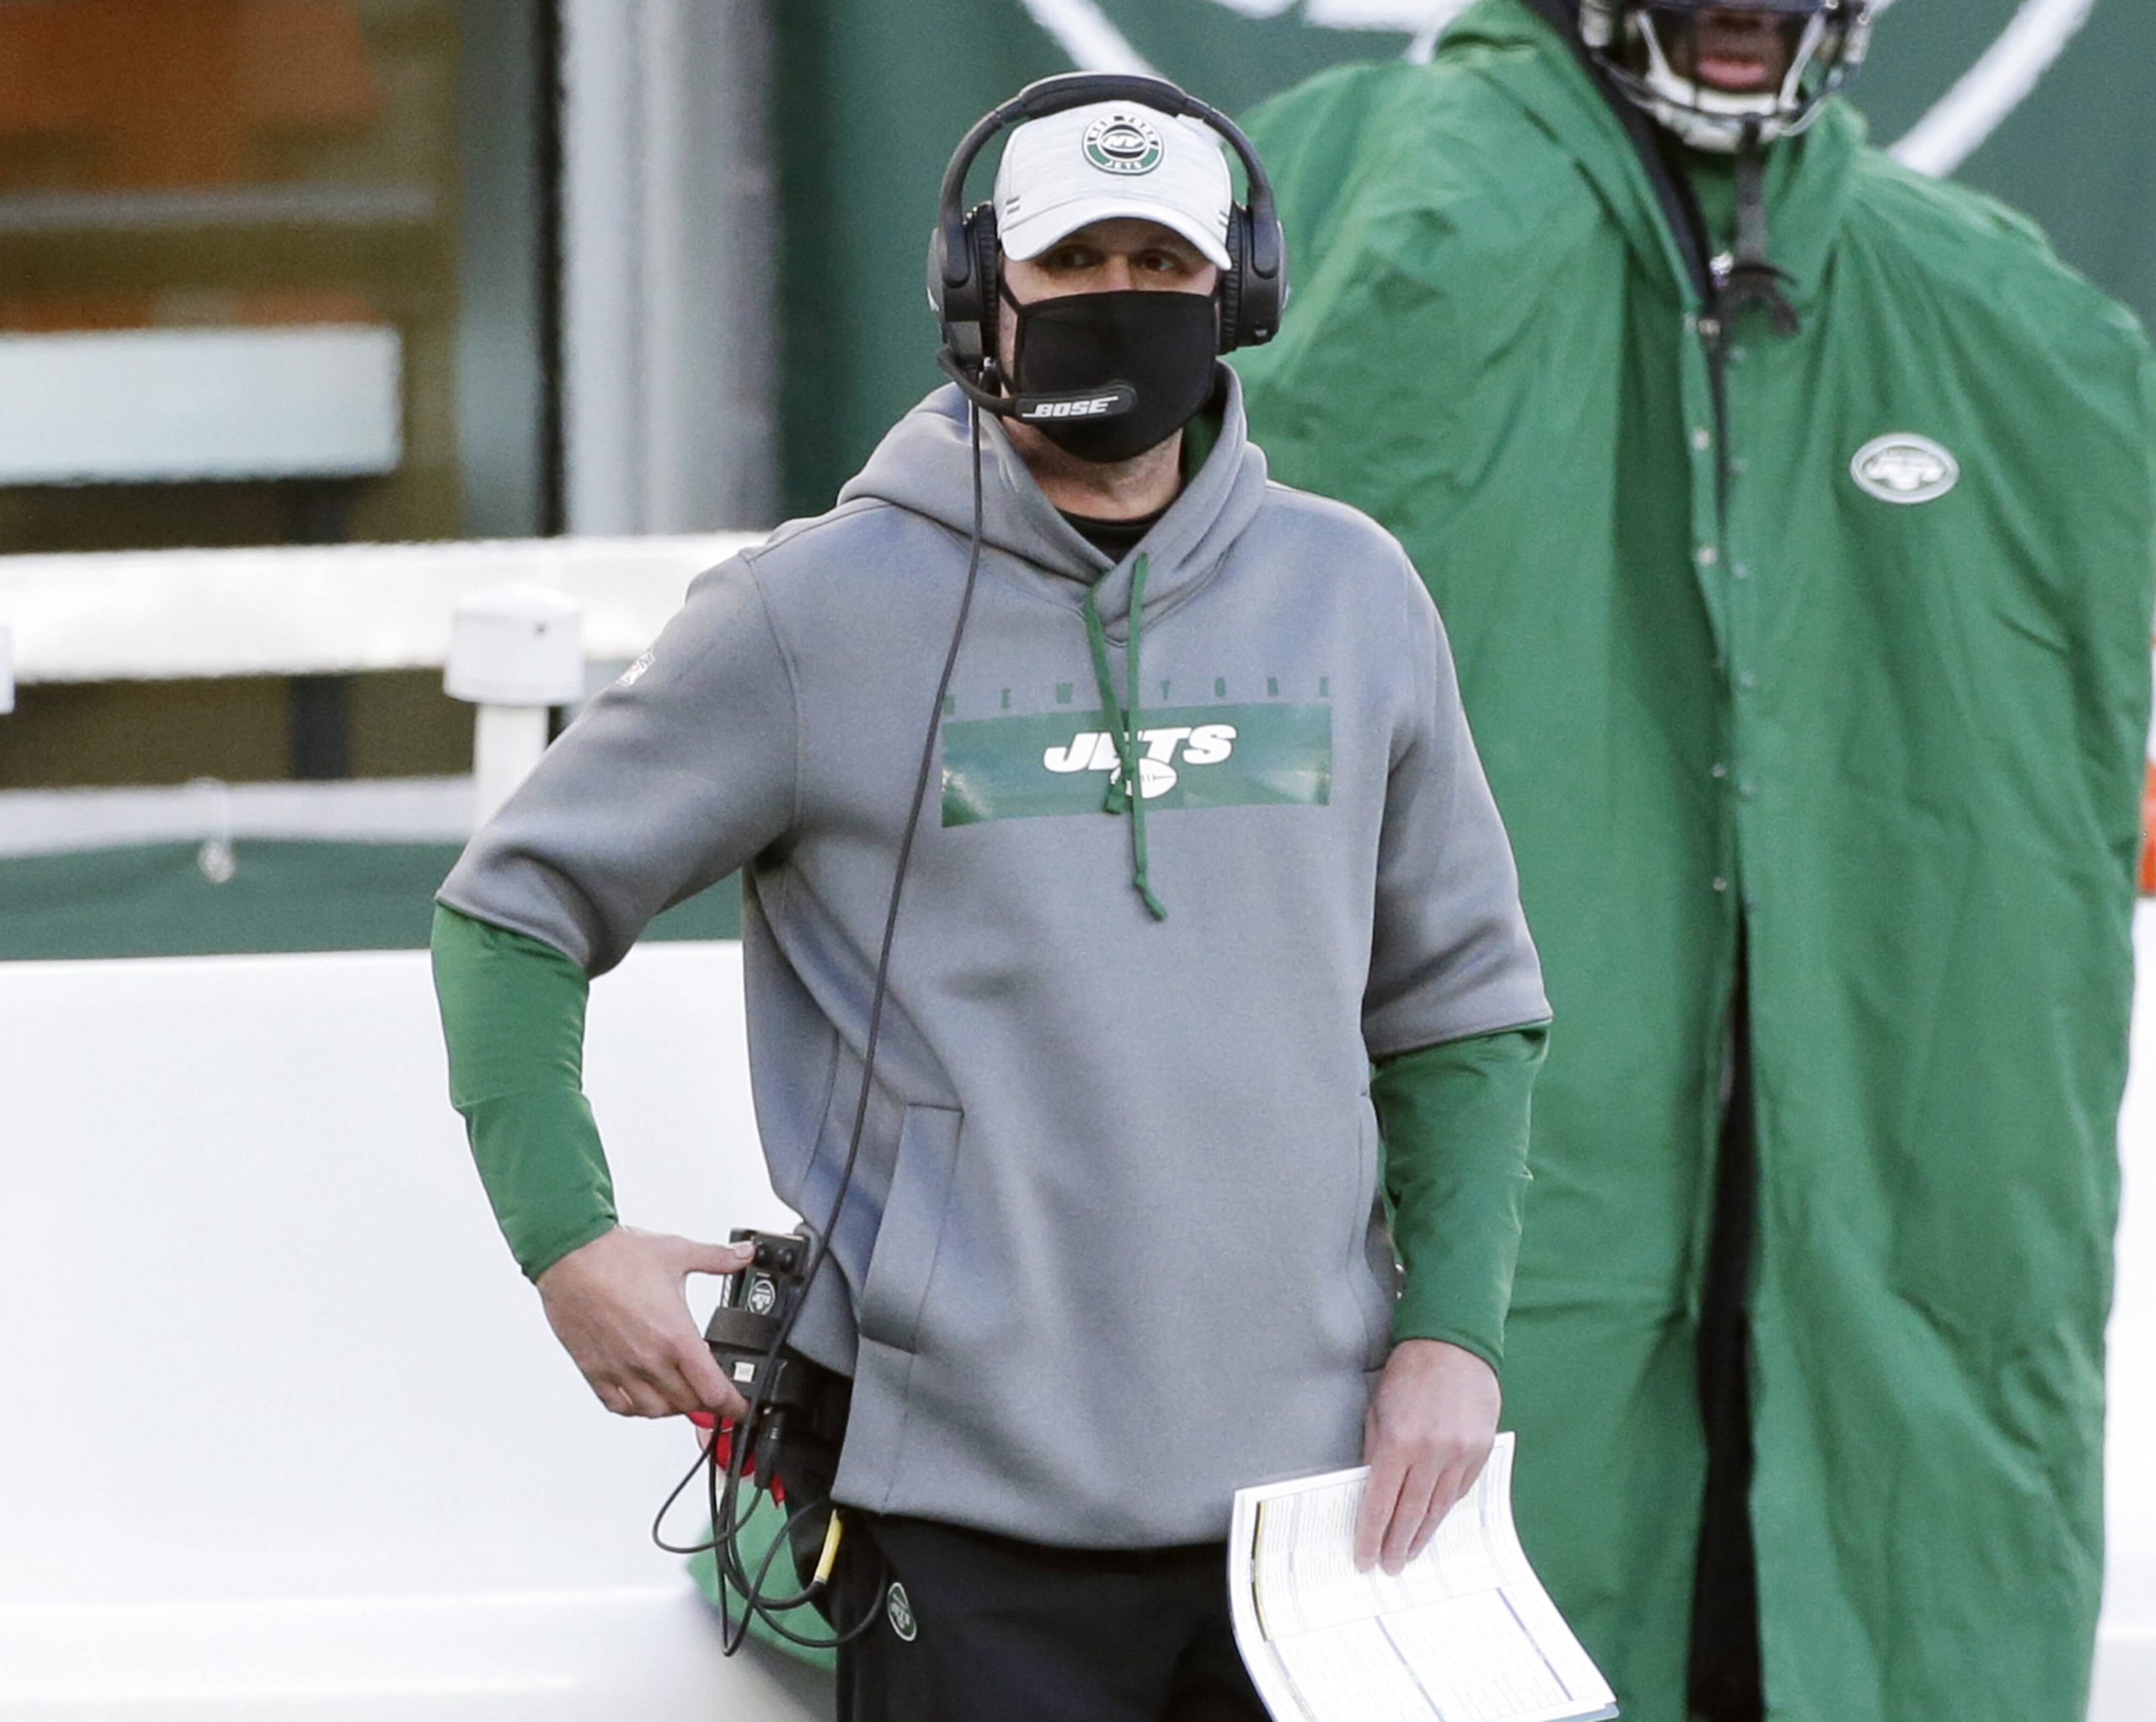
<point x="754" y="1305"/>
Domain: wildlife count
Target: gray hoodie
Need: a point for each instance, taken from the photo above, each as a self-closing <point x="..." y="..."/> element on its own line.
<point x="1114" y="1244"/>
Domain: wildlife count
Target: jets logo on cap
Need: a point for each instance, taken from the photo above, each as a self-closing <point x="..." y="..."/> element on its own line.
<point x="1905" y="469"/>
<point x="1122" y="143"/>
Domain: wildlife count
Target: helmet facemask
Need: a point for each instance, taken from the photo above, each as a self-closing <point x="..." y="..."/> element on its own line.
<point x="1656" y="51"/>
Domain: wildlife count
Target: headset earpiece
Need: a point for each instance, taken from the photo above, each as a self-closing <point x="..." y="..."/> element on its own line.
<point x="965" y="301"/>
<point x="1234" y="280"/>
<point x="988" y="273"/>
<point x="1253" y="292"/>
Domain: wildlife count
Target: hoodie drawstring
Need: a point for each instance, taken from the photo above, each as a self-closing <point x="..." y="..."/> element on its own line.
<point x="1127" y="788"/>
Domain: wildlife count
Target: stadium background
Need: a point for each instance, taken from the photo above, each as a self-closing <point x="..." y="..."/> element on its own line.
<point x="872" y="96"/>
<point x="653" y="269"/>
<point x="652" y="266"/>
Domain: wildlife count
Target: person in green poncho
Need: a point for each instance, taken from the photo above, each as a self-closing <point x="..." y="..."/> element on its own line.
<point x="1792" y="514"/>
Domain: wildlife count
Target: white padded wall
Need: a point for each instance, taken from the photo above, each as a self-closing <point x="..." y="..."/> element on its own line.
<point x="286" y="1435"/>
<point x="286" y="1432"/>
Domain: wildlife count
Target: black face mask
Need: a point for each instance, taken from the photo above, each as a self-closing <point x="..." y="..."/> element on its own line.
<point x="1159" y="346"/>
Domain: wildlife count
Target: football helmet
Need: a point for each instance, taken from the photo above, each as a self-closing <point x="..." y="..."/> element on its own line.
<point x="1661" y="54"/>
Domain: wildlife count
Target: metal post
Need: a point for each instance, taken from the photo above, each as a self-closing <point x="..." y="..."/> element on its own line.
<point x="516" y="653"/>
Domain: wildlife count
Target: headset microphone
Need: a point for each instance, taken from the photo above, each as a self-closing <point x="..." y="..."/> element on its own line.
<point x="1112" y="400"/>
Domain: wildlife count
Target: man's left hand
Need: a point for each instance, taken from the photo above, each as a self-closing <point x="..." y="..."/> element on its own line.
<point x="1426" y="1437"/>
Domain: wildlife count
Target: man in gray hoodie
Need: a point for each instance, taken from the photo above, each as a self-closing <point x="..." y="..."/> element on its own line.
<point x="1211" y="900"/>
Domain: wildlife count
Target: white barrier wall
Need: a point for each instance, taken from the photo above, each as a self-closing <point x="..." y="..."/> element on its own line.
<point x="285" y="1434"/>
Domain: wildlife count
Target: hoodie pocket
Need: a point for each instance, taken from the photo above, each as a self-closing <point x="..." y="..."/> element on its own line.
<point x="904" y="1255"/>
<point x="1372" y="1265"/>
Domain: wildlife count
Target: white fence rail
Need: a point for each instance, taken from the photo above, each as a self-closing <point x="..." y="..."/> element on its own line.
<point x="165" y="615"/>
<point x="150" y="615"/>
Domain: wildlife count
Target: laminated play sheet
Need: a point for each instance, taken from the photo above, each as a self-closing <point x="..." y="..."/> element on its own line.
<point x="1464" y="1633"/>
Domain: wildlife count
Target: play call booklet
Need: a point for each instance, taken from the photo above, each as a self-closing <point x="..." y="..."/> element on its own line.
<point x="1465" y="1633"/>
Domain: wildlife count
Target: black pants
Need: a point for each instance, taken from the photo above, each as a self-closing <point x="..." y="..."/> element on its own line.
<point x="1726" y="1671"/>
<point x="973" y="1628"/>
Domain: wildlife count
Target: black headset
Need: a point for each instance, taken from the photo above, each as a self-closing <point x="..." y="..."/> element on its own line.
<point x="965" y="259"/>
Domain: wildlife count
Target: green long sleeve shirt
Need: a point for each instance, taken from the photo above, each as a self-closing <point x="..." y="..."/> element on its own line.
<point x="1454" y="1119"/>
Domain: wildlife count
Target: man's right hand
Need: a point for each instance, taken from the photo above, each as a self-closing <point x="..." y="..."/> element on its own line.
<point x="617" y="1306"/>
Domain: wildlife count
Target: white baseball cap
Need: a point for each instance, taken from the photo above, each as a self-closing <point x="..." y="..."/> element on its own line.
<point x="1112" y="159"/>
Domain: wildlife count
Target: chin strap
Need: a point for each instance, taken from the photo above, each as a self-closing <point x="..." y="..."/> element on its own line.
<point x="1750" y="277"/>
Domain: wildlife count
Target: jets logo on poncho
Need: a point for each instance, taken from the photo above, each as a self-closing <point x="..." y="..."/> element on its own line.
<point x="1905" y="469"/>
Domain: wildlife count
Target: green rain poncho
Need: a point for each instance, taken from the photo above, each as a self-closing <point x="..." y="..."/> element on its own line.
<point x="1725" y="689"/>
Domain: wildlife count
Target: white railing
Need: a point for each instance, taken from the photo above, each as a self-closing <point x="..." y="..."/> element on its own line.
<point x="156" y="615"/>
<point x="512" y="625"/>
